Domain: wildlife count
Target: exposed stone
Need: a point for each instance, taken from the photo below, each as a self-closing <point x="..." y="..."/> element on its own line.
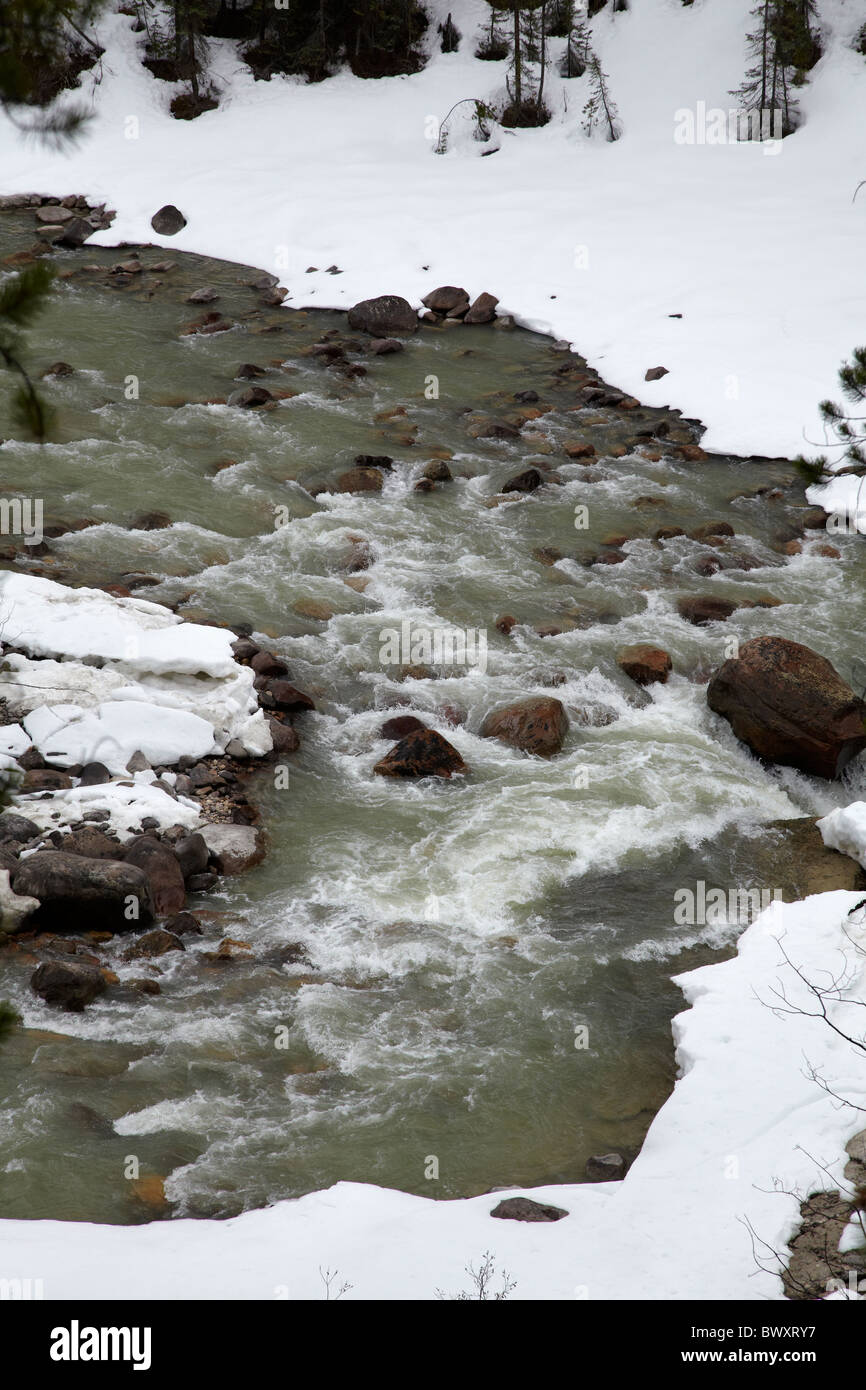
<point x="163" y="872"/>
<point x="15" y="827"/>
<point x="526" y="1209"/>
<point x="528" y="481"/>
<point x="73" y="890"/>
<point x="424" y="753"/>
<point x="360" y="480"/>
<point x="705" y="609"/>
<point x="644" y="663"/>
<point x="437" y="471"/>
<point x="45" y="779"/>
<point x="168" y="221"/>
<point x="154" y="943"/>
<point x="248" y="397"/>
<point x="191" y="854"/>
<point x="92" y="844"/>
<point x="94" y="775"/>
<point x="388" y="315"/>
<point x="446" y="298"/>
<point x="536" y="725"/>
<point x="183" y="924"/>
<point x="605" y="1167"/>
<point x="655" y="373"/>
<point x="482" y="309"/>
<point x="285" y="738"/>
<point x="71" y="984"/>
<point x="790" y="706"/>
<point x="384" y="347"/>
<point x="400" y="726"/>
<point x="287" y="697"/>
<point x="235" y="848"/>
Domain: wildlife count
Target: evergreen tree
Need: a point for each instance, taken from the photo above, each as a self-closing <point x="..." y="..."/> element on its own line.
<point x="494" y="46"/>
<point x="850" y="430"/>
<point x="44" y="44"/>
<point x="528" y="62"/>
<point x="569" y="22"/>
<point x="600" y="108"/>
<point x="782" y="48"/>
<point x="21" y="298"/>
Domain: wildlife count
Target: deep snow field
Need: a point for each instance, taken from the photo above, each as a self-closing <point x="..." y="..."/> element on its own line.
<point x="760" y="249"/>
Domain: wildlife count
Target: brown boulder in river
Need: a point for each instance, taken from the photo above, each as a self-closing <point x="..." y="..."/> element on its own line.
<point x="644" y="663"/>
<point x="790" y="706"/>
<point x="423" y="753"/>
<point x="537" y="725"/>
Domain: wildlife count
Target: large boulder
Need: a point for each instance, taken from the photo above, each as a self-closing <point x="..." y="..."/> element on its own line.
<point x="168" y="221"/>
<point x="790" y="706"/>
<point x="192" y="854"/>
<point x="644" y="663"/>
<point x="482" y="310"/>
<point x="75" y="892"/>
<point x="387" y="316"/>
<point x="527" y="481"/>
<point x="163" y="872"/>
<point x="71" y="984"/>
<point x="423" y="753"/>
<point x="706" y="608"/>
<point x="446" y="298"/>
<point x="91" y="843"/>
<point x="537" y="725"/>
<point x="234" y="847"/>
<point x="15" y="827"/>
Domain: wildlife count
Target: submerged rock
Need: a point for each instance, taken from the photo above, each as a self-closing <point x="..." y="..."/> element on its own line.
<point x="790" y="705"/>
<point x="605" y="1167"/>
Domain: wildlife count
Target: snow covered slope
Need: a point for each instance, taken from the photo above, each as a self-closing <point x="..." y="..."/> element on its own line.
<point x="759" y="251"/>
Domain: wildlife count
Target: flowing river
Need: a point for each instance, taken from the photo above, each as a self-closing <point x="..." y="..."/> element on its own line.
<point x="424" y="955"/>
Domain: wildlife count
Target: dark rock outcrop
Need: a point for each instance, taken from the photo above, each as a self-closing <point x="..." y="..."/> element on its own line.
<point x="75" y="891"/>
<point x="386" y="316"/>
<point x="423" y="753"/>
<point x="790" y="705"/>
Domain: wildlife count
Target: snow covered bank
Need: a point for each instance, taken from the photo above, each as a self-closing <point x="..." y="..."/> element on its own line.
<point x="760" y="253"/>
<point x="745" y="1128"/>
<point x="162" y="686"/>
